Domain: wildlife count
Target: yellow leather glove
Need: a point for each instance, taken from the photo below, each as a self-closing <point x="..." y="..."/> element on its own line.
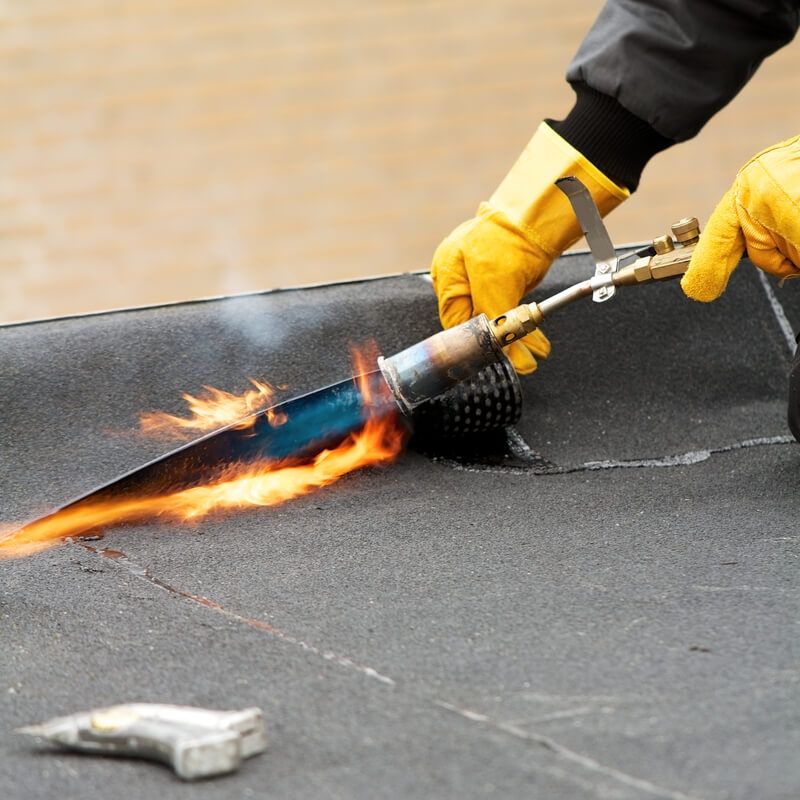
<point x="488" y="263"/>
<point x="760" y="212"/>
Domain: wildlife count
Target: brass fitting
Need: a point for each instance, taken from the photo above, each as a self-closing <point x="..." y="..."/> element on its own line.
<point x="686" y="231"/>
<point x="516" y="323"/>
<point x="663" y="244"/>
<point x="669" y="261"/>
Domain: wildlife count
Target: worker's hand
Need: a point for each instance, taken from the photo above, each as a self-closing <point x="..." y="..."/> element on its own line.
<point x="487" y="264"/>
<point x="484" y="267"/>
<point x="759" y="213"/>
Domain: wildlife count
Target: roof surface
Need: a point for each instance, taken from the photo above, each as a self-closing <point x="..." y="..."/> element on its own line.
<point x="610" y="610"/>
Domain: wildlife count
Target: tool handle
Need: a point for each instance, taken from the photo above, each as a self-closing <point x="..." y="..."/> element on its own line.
<point x="192" y="752"/>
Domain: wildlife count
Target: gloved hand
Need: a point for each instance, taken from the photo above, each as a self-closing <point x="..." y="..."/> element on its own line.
<point x="488" y="263"/>
<point x="760" y="212"/>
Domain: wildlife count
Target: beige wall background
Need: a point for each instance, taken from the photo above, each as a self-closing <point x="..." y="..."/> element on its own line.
<point x="154" y="151"/>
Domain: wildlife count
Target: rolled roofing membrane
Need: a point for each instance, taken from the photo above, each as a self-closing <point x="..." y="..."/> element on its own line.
<point x="601" y="600"/>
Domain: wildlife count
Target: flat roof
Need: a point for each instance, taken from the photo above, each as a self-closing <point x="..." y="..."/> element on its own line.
<point x="621" y="623"/>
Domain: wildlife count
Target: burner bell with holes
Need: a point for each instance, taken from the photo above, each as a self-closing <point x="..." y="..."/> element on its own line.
<point x="489" y="401"/>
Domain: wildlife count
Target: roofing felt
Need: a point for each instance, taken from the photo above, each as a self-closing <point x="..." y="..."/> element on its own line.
<point x="606" y="608"/>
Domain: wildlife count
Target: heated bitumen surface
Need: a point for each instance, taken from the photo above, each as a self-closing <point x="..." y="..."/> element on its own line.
<point x="608" y="610"/>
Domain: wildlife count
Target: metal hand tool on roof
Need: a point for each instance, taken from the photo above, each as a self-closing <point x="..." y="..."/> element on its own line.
<point x="195" y="742"/>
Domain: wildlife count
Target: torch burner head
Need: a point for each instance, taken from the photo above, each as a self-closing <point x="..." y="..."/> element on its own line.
<point x="488" y="401"/>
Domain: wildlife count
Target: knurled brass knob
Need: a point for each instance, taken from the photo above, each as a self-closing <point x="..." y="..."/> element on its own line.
<point x="663" y="244"/>
<point x="686" y="230"/>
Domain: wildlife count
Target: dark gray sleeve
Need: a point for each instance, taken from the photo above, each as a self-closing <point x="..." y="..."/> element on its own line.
<point x="675" y="63"/>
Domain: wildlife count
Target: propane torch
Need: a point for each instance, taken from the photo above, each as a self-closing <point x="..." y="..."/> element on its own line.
<point x="457" y="382"/>
<point x="431" y="367"/>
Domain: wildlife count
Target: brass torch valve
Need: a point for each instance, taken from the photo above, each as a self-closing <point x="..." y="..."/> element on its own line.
<point x="672" y="255"/>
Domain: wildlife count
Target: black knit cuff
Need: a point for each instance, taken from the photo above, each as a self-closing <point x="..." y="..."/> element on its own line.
<point x="617" y="142"/>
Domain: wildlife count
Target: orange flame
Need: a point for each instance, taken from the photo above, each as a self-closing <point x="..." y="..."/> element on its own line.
<point x="241" y="486"/>
<point x="214" y="409"/>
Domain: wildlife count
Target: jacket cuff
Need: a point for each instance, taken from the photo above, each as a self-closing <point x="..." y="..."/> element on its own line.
<point x="617" y="142"/>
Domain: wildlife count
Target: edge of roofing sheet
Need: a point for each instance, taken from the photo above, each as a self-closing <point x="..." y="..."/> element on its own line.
<point x="213" y="298"/>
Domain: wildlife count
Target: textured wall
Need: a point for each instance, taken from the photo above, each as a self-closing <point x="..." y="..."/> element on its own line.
<point x="154" y="150"/>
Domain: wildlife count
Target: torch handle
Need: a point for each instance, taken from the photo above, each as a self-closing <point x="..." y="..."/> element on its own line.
<point x="665" y="262"/>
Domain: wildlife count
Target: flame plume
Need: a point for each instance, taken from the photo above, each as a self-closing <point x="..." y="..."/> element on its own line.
<point x="214" y="409"/>
<point x="239" y="486"/>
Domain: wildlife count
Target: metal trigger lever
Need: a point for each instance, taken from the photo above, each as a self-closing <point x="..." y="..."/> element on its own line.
<point x="605" y="257"/>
